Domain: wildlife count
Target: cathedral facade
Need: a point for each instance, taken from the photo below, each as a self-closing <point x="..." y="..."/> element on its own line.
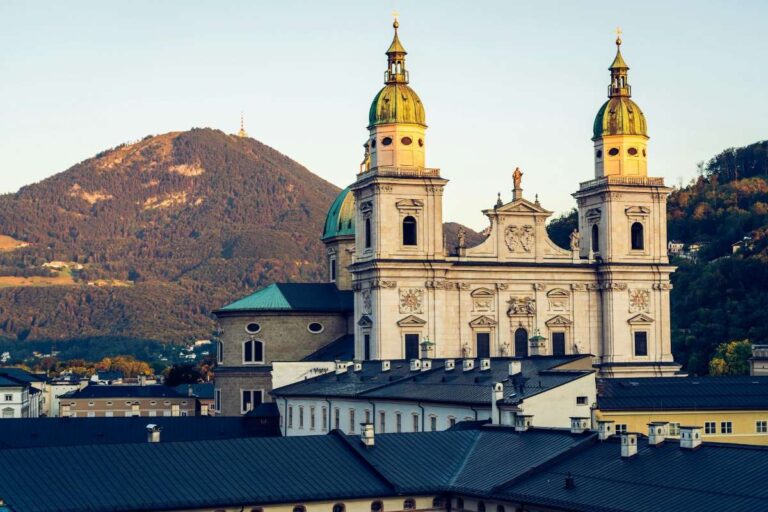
<point x="516" y="293"/>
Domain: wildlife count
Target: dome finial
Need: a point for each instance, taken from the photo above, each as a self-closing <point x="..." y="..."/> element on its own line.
<point x="395" y="24"/>
<point x="618" y="36"/>
<point x="396" y="72"/>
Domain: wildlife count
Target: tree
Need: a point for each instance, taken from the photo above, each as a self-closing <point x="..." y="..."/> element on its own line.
<point x="182" y="374"/>
<point x="560" y="228"/>
<point x="731" y="358"/>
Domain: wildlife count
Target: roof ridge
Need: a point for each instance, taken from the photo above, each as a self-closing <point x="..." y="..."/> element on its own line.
<point x="402" y="379"/>
<point x="467" y="454"/>
<point x="356" y="450"/>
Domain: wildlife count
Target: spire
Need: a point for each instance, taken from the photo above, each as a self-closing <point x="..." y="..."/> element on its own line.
<point x="396" y="73"/>
<point x="242" y="133"/>
<point x="619" y="84"/>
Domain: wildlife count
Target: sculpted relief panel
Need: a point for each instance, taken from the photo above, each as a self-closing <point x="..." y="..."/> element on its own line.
<point x="411" y="300"/>
<point x="521" y="306"/>
<point x="519" y="238"/>
<point x="639" y="300"/>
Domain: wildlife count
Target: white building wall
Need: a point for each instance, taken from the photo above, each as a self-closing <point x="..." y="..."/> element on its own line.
<point x="14" y="403"/>
<point x="555" y="407"/>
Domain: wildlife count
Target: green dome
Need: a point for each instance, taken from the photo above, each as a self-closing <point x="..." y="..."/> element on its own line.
<point x="396" y="103"/>
<point x="340" y="220"/>
<point x="619" y="116"/>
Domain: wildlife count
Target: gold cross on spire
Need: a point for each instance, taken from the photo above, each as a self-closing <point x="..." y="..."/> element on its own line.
<point x="395" y="15"/>
<point x="618" y="35"/>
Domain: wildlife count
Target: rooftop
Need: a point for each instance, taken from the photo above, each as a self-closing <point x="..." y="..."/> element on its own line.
<point x="683" y="393"/>
<point x="123" y="391"/>
<point x="303" y="297"/>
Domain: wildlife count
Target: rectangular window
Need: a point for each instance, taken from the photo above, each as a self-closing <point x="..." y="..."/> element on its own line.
<point x="136" y="411"/>
<point x="433" y="423"/>
<point x="582" y="400"/>
<point x="411" y="346"/>
<point x="761" y="426"/>
<point x="336" y="418"/>
<point x="324" y="419"/>
<point x="333" y="270"/>
<point x="483" y="344"/>
<point x="710" y="427"/>
<point x="674" y="429"/>
<point x="415" y="422"/>
<point x="398" y="422"/>
<point x="217" y="399"/>
<point x="641" y="343"/>
<point x="351" y="420"/>
<point x="109" y="414"/>
<point x="301" y="417"/>
<point x="558" y="343"/>
<point x="621" y="428"/>
<point x="153" y="413"/>
<point x="290" y="417"/>
<point x="382" y="422"/>
<point x="91" y="414"/>
<point x="219" y="352"/>
<point x="250" y="399"/>
<point x="311" y="418"/>
<point x="726" y="427"/>
<point x="8" y="398"/>
<point x="367" y="347"/>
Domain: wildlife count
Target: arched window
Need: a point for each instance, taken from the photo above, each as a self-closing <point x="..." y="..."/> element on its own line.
<point x="253" y="351"/>
<point x="409" y="504"/>
<point x="339" y="507"/>
<point x="480" y="506"/>
<point x="377" y="506"/>
<point x="638" y="244"/>
<point x="409" y="231"/>
<point x="595" y="238"/>
<point x="367" y="232"/>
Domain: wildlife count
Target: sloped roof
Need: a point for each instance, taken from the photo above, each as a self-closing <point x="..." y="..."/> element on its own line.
<point x="22" y="375"/>
<point x="199" y="390"/>
<point x="456" y="386"/>
<point x="307" y="297"/>
<point x="341" y="349"/>
<point x="683" y="393"/>
<point x="125" y="391"/>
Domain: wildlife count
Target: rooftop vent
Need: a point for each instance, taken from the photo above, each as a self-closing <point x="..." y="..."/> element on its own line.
<point x="385" y="366"/>
<point x="367" y="434"/>
<point x="690" y="438"/>
<point x="523" y="422"/>
<point x="341" y="367"/>
<point x="657" y="432"/>
<point x="415" y="365"/>
<point x="570" y="483"/>
<point x="628" y="445"/>
<point x="515" y="368"/>
<point x="153" y="433"/>
<point x="468" y="364"/>
<point x="579" y="424"/>
<point x="426" y="364"/>
<point x="497" y="394"/>
<point x="450" y="364"/>
<point x="485" y="364"/>
<point x="605" y="429"/>
<point x="358" y="366"/>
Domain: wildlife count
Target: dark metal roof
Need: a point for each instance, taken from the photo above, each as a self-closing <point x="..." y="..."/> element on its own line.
<point x="341" y="349"/>
<point x="125" y="391"/>
<point x="199" y="390"/>
<point x="48" y="432"/>
<point x="439" y="385"/>
<point x="683" y="393"/>
<point x="22" y="375"/>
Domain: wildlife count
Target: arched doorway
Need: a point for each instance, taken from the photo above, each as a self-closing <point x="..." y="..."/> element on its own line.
<point x="521" y="342"/>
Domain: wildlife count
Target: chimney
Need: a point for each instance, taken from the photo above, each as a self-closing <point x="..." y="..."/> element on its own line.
<point x="426" y="364"/>
<point x="485" y="364"/>
<point x="189" y="390"/>
<point x="570" y="483"/>
<point x="579" y="424"/>
<point x="450" y="364"/>
<point x="358" y="366"/>
<point x="468" y="364"/>
<point x="657" y="432"/>
<point x="143" y="380"/>
<point x="523" y="422"/>
<point x="367" y="435"/>
<point x="628" y="445"/>
<point x="515" y="368"/>
<point x="153" y="433"/>
<point x="415" y="365"/>
<point x="385" y="366"/>
<point x="604" y="429"/>
<point x="497" y="394"/>
<point x="690" y="438"/>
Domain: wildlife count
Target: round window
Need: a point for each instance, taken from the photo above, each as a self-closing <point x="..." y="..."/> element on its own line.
<point x="315" y="327"/>
<point x="406" y="141"/>
<point x="632" y="151"/>
<point x="252" y="328"/>
<point x="599" y="153"/>
<point x="613" y="151"/>
<point x="421" y="142"/>
<point x="386" y="141"/>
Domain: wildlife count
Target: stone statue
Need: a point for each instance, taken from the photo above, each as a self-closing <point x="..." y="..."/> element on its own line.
<point x="462" y="237"/>
<point x="575" y="240"/>
<point x="465" y="350"/>
<point x="517" y="177"/>
<point x="504" y="349"/>
<point x="365" y="165"/>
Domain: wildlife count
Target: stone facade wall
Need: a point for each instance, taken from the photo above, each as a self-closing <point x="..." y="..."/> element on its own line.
<point x="231" y="382"/>
<point x="124" y="406"/>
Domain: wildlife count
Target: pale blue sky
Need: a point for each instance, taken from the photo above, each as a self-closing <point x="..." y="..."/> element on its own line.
<point x="504" y="84"/>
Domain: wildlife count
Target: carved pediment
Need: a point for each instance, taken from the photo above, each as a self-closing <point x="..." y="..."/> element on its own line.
<point x="638" y="211"/>
<point x="593" y="213"/>
<point x="557" y="293"/>
<point x="521" y="206"/>
<point x="366" y="206"/>
<point x="483" y="321"/>
<point x="409" y="203"/>
<point x="559" y="321"/>
<point x="640" y="319"/>
<point x="411" y="321"/>
<point x="482" y="292"/>
<point x="365" y="321"/>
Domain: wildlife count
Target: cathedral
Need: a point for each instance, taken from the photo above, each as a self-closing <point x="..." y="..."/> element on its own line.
<point x="400" y="293"/>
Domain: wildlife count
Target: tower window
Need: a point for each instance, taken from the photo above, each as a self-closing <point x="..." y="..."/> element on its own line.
<point x="386" y="141"/>
<point x="406" y="141"/>
<point x="421" y="142"/>
<point x="595" y="238"/>
<point x="638" y="244"/>
<point x="252" y="328"/>
<point x="643" y="152"/>
<point x="367" y="232"/>
<point x="315" y="327"/>
<point x="632" y="151"/>
<point x="373" y="143"/>
<point x="613" y="151"/>
<point x="333" y="270"/>
<point x="409" y="231"/>
<point x="641" y="343"/>
<point x="599" y="153"/>
<point x="253" y="351"/>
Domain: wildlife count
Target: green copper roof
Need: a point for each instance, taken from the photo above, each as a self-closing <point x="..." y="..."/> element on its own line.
<point x="396" y="103"/>
<point x="619" y="116"/>
<point x="340" y="220"/>
<point x="308" y="297"/>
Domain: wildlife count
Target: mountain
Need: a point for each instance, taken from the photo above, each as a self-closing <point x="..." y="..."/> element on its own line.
<point x="147" y="238"/>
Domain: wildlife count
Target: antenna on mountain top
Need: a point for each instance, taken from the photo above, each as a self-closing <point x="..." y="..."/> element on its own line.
<point x="242" y="133"/>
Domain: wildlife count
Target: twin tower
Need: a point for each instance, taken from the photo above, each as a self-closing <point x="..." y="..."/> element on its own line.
<point x="516" y="293"/>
